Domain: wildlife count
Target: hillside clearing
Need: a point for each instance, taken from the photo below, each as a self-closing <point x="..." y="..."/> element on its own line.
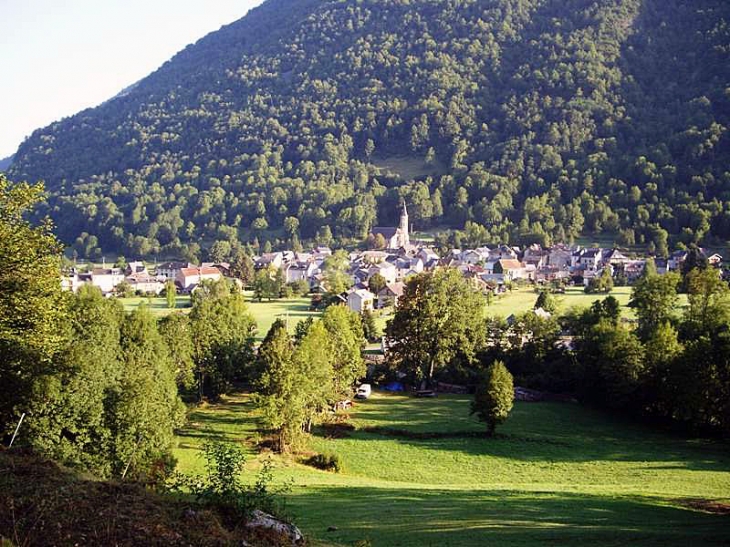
<point x="556" y="472"/>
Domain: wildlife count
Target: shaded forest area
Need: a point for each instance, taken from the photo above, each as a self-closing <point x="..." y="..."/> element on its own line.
<point x="542" y="119"/>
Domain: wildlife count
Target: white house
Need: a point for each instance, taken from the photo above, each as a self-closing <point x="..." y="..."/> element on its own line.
<point x="189" y="277"/>
<point x="106" y="278"/>
<point x="359" y="300"/>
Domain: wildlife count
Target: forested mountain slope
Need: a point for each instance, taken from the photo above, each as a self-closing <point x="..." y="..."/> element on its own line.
<point x="536" y="120"/>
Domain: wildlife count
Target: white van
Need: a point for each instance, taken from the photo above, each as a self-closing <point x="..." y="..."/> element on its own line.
<point x="363" y="392"/>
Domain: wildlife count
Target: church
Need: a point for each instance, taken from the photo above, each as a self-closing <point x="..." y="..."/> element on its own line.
<point x="395" y="238"/>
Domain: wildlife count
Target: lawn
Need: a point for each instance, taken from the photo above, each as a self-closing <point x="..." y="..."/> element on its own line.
<point x="522" y="299"/>
<point x="291" y="310"/>
<point x="418" y="472"/>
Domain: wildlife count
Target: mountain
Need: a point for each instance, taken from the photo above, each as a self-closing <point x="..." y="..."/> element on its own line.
<point x="520" y="120"/>
<point x="5" y="163"/>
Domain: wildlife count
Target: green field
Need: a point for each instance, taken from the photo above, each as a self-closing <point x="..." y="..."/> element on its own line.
<point x="556" y="473"/>
<point x="291" y="310"/>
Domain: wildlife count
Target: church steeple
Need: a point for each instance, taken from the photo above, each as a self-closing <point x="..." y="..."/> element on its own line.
<point x="405" y="239"/>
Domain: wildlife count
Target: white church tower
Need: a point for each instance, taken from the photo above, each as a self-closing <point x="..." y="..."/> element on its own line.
<point x="403" y="228"/>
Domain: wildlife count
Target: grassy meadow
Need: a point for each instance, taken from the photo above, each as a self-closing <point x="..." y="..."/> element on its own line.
<point x="265" y="313"/>
<point x="419" y="473"/>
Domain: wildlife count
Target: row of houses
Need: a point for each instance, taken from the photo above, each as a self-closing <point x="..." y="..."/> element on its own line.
<point x="186" y="277"/>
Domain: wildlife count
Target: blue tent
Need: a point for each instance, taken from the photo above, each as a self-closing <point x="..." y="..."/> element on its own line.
<point x="394" y="386"/>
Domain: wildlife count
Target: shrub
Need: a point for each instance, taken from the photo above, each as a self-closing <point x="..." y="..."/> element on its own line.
<point x="326" y="462"/>
<point x="221" y="487"/>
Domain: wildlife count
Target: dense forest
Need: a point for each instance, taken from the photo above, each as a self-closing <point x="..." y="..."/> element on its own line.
<point x="516" y="120"/>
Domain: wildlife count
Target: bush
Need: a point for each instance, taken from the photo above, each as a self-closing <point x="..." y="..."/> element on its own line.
<point x="326" y="462"/>
<point x="221" y="487"/>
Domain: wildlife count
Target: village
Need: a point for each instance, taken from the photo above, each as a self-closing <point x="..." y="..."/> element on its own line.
<point x="490" y="270"/>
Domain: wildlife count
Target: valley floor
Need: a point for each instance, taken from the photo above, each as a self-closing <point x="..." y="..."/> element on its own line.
<point x="418" y="472"/>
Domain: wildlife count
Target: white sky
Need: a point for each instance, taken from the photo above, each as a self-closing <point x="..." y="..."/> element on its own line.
<point x="58" y="57"/>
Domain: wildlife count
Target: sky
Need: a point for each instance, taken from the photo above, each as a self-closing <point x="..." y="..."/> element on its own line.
<point x="58" y="57"/>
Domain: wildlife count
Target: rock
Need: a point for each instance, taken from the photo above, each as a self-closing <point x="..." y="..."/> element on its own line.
<point x="259" y="519"/>
<point x="332" y="529"/>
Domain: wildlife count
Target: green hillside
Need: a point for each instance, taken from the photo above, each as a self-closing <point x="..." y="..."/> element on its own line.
<point x="535" y="120"/>
<point x="557" y="473"/>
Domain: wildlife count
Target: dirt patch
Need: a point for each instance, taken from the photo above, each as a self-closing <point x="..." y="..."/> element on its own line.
<point x="708" y="506"/>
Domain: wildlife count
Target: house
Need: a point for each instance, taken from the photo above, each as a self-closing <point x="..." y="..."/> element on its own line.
<point x="676" y="259"/>
<point x="268" y="260"/>
<point x="360" y="300"/>
<point x="189" y="277"/>
<point x="503" y="252"/>
<point x="715" y="260"/>
<point x="590" y="259"/>
<point x="144" y="283"/>
<point x="170" y="270"/>
<point x="389" y="295"/>
<point x="106" y="279"/>
<point x="299" y="271"/>
<point x="135" y="267"/>
<point x="614" y="257"/>
<point x="559" y="256"/>
<point x="509" y="269"/>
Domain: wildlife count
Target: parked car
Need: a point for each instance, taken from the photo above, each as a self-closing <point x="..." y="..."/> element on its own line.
<point x="363" y="392"/>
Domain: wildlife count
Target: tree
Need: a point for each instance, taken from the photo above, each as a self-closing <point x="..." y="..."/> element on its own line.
<point x="177" y="333"/>
<point x="494" y="396"/>
<point x="440" y="316"/>
<point x="242" y="267"/>
<point x="266" y="284"/>
<point x="32" y="315"/>
<point x="377" y="283"/>
<point x="602" y="283"/>
<point x="73" y="423"/>
<point x="612" y="358"/>
<point x="545" y="301"/>
<point x="345" y="333"/>
<point x="336" y="279"/>
<point x="170" y="294"/>
<point x="709" y="303"/>
<point x="146" y="408"/>
<point x="654" y="298"/>
<point x="223" y="331"/>
<point x="370" y="330"/>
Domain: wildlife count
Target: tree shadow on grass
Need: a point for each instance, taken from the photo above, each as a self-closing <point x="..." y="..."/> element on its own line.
<point x="535" y="432"/>
<point x="405" y="517"/>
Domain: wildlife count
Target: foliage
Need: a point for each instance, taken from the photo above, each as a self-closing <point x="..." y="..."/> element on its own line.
<point x="655" y="298"/>
<point x="326" y="462"/>
<point x="31" y="306"/>
<point x="546" y="301"/>
<point x="494" y="396"/>
<point x="376" y="283"/>
<point x="602" y="283"/>
<point x="440" y="317"/>
<point x="370" y="329"/>
<point x="221" y="486"/>
<point x="170" y="294"/>
<point x="531" y="122"/>
<point x="347" y="341"/>
<point x="223" y="331"/>
<point x="266" y="284"/>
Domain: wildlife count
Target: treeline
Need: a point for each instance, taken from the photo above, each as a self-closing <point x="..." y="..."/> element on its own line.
<point x="672" y="365"/>
<point x="527" y="121"/>
<point x="102" y="389"/>
<point x="94" y="386"/>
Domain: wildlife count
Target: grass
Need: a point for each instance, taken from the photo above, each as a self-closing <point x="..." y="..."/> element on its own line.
<point x="265" y="313"/>
<point x="523" y="299"/>
<point x="408" y="167"/>
<point x="418" y="472"/>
